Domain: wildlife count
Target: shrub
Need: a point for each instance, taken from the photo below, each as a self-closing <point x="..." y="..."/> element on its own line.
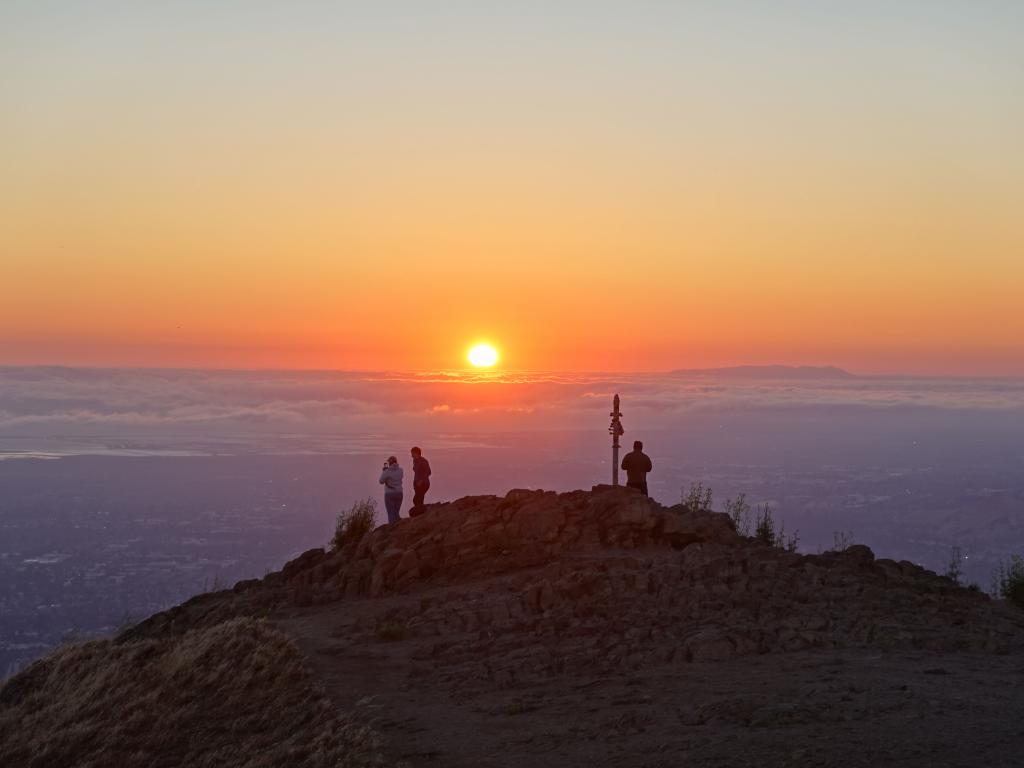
<point x="764" y="531"/>
<point x="1008" y="581"/>
<point x="954" y="568"/>
<point x="788" y="542"/>
<point x="842" y="541"/>
<point x="739" y="511"/>
<point x="354" y="523"/>
<point x="217" y="584"/>
<point x="697" y="499"/>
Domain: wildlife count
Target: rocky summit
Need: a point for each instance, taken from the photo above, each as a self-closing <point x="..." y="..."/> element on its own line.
<point x="599" y="627"/>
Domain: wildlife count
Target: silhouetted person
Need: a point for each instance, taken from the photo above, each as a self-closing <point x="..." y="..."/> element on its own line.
<point x="637" y="464"/>
<point x="420" y="481"/>
<point x="391" y="479"/>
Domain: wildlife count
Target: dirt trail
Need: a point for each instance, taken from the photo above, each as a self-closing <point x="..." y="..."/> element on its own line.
<point x="807" y="708"/>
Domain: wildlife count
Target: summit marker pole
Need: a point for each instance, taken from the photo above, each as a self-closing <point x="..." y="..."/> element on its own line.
<point x="615" y="429"/>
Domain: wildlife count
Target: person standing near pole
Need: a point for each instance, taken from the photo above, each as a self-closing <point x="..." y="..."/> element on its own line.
<point x="637" y="464"/>
<point x="420" y="480"/>
<point x="391" y="479"/>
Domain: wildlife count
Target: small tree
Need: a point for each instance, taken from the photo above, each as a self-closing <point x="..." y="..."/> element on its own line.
<point x="217" y="584"/>
<point x="788" y="542"/>
<point x="842" y="541"/>
<point x="1008" y="581"/>
<point x="697" y="499"/>
<point x="355" y="523"/>
<point x="954" y="568"/>
<point x="764" y="531"/>
<point x="739" y="511"/>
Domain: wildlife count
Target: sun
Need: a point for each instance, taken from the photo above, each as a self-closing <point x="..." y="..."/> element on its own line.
<point x="482" y="356"/>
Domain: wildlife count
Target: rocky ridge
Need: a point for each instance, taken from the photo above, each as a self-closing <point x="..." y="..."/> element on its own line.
<point x="593" y="627"/>
<point x="610" y="577"/>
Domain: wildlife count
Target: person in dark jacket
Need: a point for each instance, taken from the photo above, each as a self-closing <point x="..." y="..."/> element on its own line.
<point x="637" y="464"/>
<point x="420" y="480"/>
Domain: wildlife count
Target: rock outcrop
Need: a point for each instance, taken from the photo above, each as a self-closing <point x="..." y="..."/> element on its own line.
<point x="481" y="536"/>
<point x="610" y="577"/>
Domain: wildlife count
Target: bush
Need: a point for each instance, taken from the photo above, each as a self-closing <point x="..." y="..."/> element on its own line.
<point x="842" y="541"/>
<point x="764" y="531"/>
<point x="355" y="523"/>
<point x="697" y="499"/>
<point x="739" y="511"/>
<point x="217" y="584"/>
<point x="1008" y="581"/>
<point x="954" y="568"/>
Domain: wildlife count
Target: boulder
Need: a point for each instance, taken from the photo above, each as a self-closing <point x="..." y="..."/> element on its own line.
<point x="859" y="554"/>
<point x="303" y="562"/>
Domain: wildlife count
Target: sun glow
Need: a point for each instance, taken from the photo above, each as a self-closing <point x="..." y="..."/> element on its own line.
<point x="482" y="356"/>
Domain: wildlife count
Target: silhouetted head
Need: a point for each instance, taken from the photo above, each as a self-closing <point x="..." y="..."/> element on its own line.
<point x="392" y="460"/>
<point x="416" y="452"/>
<point x="638" y="445"/>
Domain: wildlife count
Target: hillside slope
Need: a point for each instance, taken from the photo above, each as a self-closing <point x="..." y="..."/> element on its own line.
<point x="553" y="629"/>
<point x="237" y="693"/>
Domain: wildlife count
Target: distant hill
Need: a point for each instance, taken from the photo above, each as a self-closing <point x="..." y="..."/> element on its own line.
<point x="769" y="372"/>
<point x="594" y="628"/>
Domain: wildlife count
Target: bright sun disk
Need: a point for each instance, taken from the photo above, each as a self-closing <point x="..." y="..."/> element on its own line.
<point x="482" y="356"/>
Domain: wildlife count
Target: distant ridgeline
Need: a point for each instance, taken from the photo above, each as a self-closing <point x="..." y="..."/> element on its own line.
<point x="769" y="372"/>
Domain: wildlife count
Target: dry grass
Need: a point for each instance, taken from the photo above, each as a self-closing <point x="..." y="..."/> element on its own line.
<point x="354" y="523"/>
<point x="236" y="694"/>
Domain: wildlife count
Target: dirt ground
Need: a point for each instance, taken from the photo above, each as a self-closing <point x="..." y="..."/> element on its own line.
<point x="856" y="707"/>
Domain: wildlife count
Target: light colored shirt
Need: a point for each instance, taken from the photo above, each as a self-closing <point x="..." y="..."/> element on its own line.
<point x="391" y="479"/>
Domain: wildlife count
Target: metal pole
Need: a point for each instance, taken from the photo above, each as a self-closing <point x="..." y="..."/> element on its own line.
<point x="615" y="429"/>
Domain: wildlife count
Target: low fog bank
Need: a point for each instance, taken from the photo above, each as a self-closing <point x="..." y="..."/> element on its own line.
<point x="47" y="402"/>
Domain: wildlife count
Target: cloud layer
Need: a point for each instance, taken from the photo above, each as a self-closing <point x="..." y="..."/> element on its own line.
<point x="59" y="401"/>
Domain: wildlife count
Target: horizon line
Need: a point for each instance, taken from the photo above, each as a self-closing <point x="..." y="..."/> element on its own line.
<point x="497" y="372"/>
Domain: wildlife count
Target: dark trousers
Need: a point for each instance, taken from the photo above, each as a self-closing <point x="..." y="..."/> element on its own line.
<point x="420" y="491"/>
<point x="393" y="503"/>
<point x="640" y="485"/>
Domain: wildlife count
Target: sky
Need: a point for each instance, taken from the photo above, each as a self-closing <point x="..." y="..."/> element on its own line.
<point x="611" y="186"/>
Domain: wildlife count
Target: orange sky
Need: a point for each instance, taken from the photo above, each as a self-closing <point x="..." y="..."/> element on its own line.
<point x="631" y="188"/>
